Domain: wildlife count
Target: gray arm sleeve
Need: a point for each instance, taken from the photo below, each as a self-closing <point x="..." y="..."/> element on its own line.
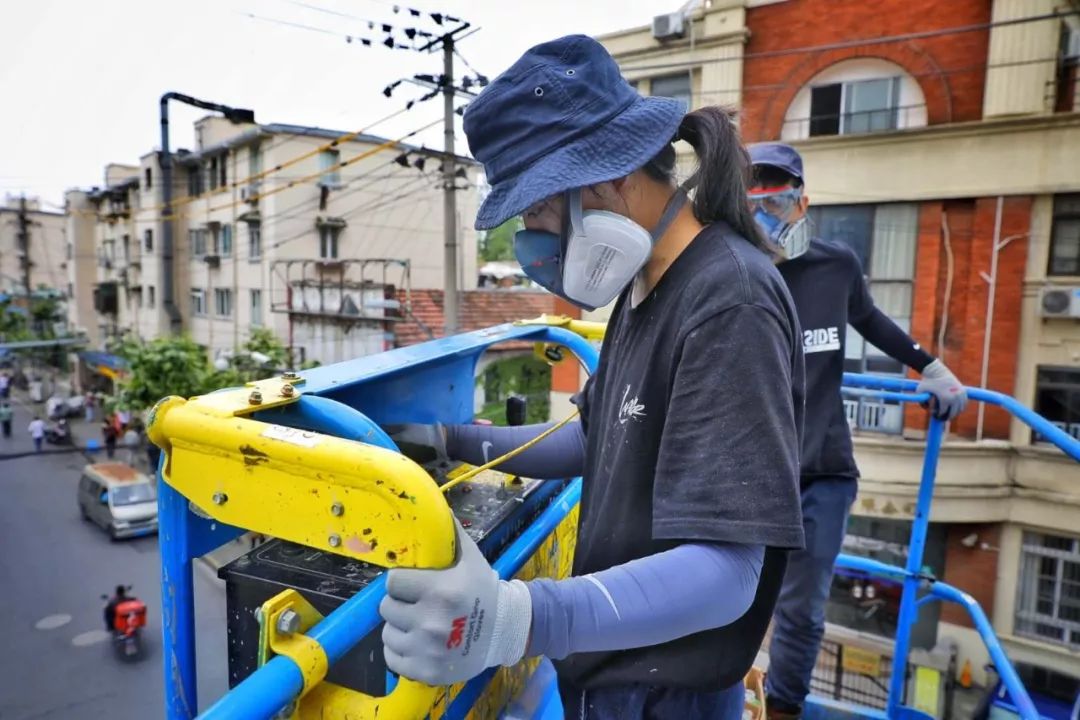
<point x="645" y="602"/>
<point x="559" y="455"/>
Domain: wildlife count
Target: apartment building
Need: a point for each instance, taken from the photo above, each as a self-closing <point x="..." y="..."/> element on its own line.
<point x="941" y="141"/>
<point x="281" y="226"/>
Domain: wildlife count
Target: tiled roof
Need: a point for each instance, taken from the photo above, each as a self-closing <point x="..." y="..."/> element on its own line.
<point x="478" y="309"/>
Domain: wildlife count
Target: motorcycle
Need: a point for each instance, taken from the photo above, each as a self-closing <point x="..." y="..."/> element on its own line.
<point x="129" y="618"/>
<point x="58" y="434"/>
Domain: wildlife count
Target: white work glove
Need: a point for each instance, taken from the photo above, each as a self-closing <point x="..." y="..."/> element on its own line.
<point x="948" y="396"/>
<point x="447" y="626"/>
<point x="423" y="443"/>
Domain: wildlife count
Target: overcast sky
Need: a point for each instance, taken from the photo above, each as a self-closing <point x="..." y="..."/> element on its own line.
<point x="80" y="81"/>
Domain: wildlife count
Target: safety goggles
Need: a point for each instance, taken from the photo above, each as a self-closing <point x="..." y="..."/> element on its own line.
<point x="776" y="201"/>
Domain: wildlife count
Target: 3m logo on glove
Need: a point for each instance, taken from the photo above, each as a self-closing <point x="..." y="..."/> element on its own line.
<point x="457" y="633"/>
<point x="821" y="340"/>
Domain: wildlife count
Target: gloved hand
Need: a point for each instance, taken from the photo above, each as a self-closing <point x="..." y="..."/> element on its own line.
<point x="447" y="626"/>
<point x="421" y="443"/>
<point x="949" y="398"/>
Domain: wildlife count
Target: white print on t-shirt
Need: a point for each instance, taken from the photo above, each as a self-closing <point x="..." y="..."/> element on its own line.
<point x="821" y="340"/>
<point x="630" y="409"/>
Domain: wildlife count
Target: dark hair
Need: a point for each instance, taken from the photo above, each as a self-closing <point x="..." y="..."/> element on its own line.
<point x="120" y="591"/>
<point x="772" y="176"/>
<point x="723" y="171"/>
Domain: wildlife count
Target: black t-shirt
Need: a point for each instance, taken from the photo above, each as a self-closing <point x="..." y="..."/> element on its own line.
<point x="692" y="423"/>
<point x="829" y="290"/>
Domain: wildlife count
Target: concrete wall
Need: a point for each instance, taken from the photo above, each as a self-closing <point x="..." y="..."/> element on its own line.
<point x="82" y="267"/>
<point x="48" y="247"/>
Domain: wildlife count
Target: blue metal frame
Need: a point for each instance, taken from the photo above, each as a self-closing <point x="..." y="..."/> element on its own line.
<point x="912" y="576"/>
<point x="424" y="383"/>
<point x="351" y="399"/>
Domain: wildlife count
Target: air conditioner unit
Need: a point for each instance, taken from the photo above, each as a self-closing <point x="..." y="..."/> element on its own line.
<point x="1059" y="302"/>
<point x="669" y="26"/>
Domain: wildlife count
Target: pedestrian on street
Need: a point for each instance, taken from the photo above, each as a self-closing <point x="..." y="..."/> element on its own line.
<point x="131" y="442"/>
<point x="109" y="435"/>
<point x="88" y="405"/>
<point x="690" y="504"/>
<point x="36" y="428"/>
<point x="830" y="292"/>
<point x="5" y="417"/>
<point x="5" y="385"/>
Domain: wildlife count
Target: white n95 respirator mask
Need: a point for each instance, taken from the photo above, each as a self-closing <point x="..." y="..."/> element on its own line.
<point x="598" y="254"/>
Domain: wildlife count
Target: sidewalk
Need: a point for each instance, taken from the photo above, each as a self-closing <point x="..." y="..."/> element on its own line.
<point x="82" y="433"/>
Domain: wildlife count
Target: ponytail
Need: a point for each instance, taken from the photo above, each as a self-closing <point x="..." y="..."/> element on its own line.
<point x="723" y="172"/>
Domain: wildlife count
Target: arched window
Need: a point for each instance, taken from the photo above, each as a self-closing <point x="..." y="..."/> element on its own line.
<point x="861" y="95"/>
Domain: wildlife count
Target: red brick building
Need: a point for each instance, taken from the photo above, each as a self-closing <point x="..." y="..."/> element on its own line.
<point x="941" y="140"/>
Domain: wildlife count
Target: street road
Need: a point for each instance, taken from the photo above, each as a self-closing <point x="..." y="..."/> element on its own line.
<point x="55" y="661"/>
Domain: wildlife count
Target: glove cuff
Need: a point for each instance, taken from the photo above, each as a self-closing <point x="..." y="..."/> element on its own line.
<point x="936" y="370"/>
<point x="513" y="620"/>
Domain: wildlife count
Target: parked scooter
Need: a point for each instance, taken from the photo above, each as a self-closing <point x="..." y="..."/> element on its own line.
<point x="128" y="619"/>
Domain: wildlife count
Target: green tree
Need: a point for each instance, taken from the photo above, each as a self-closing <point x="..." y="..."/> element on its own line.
<point x="180" y="366"/>
<point x="163" y="366"/>
<point x="243" y="367"/>
<point x="12" y="322"/>
<point x="524" y="375"/>
<point x="498" y="243"/>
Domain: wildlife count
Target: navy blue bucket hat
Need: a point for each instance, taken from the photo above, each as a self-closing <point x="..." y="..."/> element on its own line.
<point x="562" y="117"/>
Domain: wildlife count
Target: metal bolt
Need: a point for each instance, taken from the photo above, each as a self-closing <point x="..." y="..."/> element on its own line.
<point x="287" y="390"/>
<point x="337" y="509"/>
<point x="334" y="540"/>
<point x="286" y="712"/>
<point x="288" y="622"/>
<point x="290" y="375"/>
<point x="255" y="398"/>
<point x="553" y="353"/>
<point x="258" y="614"/>
<point x="220" y="498"/>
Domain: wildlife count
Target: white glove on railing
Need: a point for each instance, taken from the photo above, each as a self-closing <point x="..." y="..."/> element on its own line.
<point x="949" y="398"/>
<point x="447" y="626"/>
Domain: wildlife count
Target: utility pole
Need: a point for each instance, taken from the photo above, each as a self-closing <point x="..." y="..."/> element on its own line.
<point x="450" y="243"/>
<point x="23" y="242"/>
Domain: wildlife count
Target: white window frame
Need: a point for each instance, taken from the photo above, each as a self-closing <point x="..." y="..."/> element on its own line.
<point x="1028" y="618"/>
<point x="197" y="239"/>
<point x="254" y="240"/>
<point x="223" y="302"/>
<point x="198" y="302"/>
<point x="329" y="242"/>
<point x="689" y="86"/>
<point x="328" y="165"/>
<point x="225" y="235"/>
<point x="255" y="301"/>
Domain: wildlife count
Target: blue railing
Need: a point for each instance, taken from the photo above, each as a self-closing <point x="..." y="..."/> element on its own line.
<point x="276" y="684"/>
<point x="912" y="577"/>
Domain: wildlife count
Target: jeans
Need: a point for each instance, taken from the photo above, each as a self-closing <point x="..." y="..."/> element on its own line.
<point x="645" y="702"/>
<point x="37" y="444"/>
<point x="799" y="617"/>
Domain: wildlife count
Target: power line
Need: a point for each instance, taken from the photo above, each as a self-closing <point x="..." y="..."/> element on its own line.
<point x="885" y="39"/>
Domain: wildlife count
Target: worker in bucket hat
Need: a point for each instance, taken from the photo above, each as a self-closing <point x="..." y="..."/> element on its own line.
<point x="688" y="443"/>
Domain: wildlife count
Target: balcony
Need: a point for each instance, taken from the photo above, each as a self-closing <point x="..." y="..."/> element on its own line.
<point x="875" y="416"/>
<point x="862" y="122"/>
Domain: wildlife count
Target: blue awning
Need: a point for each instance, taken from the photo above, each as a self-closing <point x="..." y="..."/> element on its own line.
<point x="95" y="358"/>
